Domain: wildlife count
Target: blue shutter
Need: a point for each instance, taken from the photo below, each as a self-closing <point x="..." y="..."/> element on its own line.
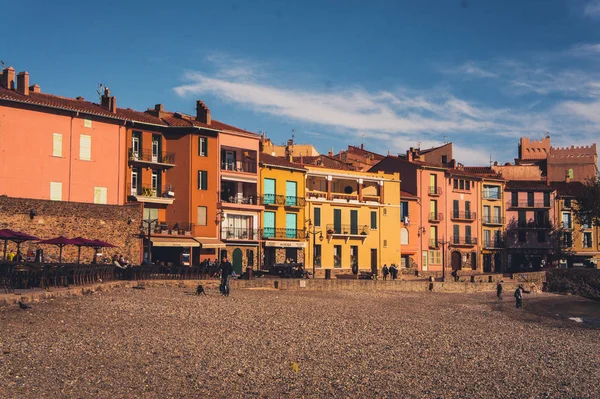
<point x="269" y="191"/>
<point x="291" y="193"/>
<point x="269" y="224"/>
<point x="290" y="225"/>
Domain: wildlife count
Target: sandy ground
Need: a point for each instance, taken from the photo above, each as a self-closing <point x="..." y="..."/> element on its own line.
<point x="167" y="343"/>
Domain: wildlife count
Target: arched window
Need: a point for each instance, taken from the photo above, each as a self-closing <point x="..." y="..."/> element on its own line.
<point x="404" y="236"/>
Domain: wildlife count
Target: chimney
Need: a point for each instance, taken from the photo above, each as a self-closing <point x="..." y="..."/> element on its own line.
<point x="108" y="102"/>
<point x="409" y="155"/>
<point x="362" y="146"/>
<point x="34" y="88"/>
<point x="159" y="109"/>
<point x="202" y="113"/>
<point x="8" y="78"/>
<point x="23" y="83"/>
<point x="330" y="153"/>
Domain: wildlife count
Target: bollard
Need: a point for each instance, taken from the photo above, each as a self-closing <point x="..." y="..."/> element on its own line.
<point x="276" y="284"/>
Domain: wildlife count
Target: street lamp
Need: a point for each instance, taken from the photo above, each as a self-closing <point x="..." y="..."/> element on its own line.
<point x="149" y="223"/>
<point x="313" y="233"/>
<point x="443" y="243"/>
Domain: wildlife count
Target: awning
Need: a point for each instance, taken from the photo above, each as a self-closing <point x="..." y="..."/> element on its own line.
<point x="174" y="242"/>
<point x="243" y="179"/>
<point x="208" y="242"/>
<point x="285" y="244"/>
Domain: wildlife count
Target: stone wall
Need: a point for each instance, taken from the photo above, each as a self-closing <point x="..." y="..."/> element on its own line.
<point x="584" y="282"/>
<point x="73" y="219"/>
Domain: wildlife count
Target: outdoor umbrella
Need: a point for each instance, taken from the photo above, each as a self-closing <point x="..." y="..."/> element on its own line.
<point x="60" y="241"/>
<point x="81" y="242"/>
<point x="17" y="237"/>
<point x="97" y="244"/>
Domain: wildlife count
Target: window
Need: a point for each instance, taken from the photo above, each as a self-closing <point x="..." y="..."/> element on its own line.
<point x="317" y="256"/>
<point x="291" y="192"/>
<point x="566" y="220"/>
<point x="135" y="181"/>
<point x="269" y="191"/>
<point x="567" y="203"/>
<point x="433" y="184"/>
<point x="433" y="236"/>
<point x="497" y="215"/>
<point x="353" y="221"/>
<point x="374" y="220"/>
<point x="317" y="217"/>
<point x="435" y="257"/>
<point x="403" y="210"/>
<point x="337" y="221"/>
<point x="461" y="184"/>
<point x="546" y="199"/>
<point x="491" y="192"/>
<point x="100" y="194"/>
<point x="522" y="219"/>
<point x="456" y="234"/>
<point x="155" y="183"/>
<point x="85" y="147"/>
<point x="530" y="197"/>
<point x="57" y="145"/>
<point x="587" y="239"/>
<point x="487" y="238"/>
<point x="201" y="218"/>
<point x="290" y="225"/>
<point x="455" y="209"/>
<point x="514" y="199"/>
<point x="136" y="140"/>
<point x="567" y="239"/>
<point x="337" y="256"/>
<point x="269" y="224"/>
<point x="354" y="255"/>
<point x="156" y="147"/>
<point x="404" y="236"/>
<point x="87" y="123"/>
<point x="203" y="146"/>
<point x="541" y="236"/>
<point x="56" y="191"/>
<point x="467" y="209"/>
<point x="202" y="180"/>
<point x="433" y="210"/>
<point x="150" y="213"/>
<point x="486" y="214"/>
<point x="385" y="243"/>
<point x="444" y="159"/>
<point x="468" y="235"/>
<point x="455" y="186"/>
<point x="522" y="236"/>
<point x="467" y="185"/>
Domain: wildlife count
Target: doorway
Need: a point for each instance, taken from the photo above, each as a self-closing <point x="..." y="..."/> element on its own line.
<point x="374" y="267"/>
<point x="487" y="263"/>
<point x="473" y="260"/>
<point x="456" y="260"/>
<point x="237" y="261"/>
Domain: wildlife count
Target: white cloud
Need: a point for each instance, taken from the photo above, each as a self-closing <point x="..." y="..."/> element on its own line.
<point x="469" y="69"/>
<point x="592" y="9"/>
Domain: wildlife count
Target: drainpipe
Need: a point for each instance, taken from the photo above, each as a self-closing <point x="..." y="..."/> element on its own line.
<point x="71" y="155"/>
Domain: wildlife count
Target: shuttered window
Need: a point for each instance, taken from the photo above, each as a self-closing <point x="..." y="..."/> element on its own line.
<point x="202" y="180"/>
<point x="100" y="194"/>
<point x="57" y="145"/>
<point x="201" y="216"/>
<point x="55" y="191"/>
<point x="85" y="147"/>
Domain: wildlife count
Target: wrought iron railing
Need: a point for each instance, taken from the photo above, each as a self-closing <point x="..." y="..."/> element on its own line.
<point x="151" y="156"/>
<point x="180" y="228"/>
<point x="493" y="244"/>
<point x="528" y="204"/>
<point x="493" y="220"/>
<point x="143" y="190"/>
<point x="273" y="232"/>
<point x="464" y="215"/>
<point x="435" y="216"/>
<point x="347" y="229"/>
<point x="433" y="190"/>
<point x="239" y="166"/>
<point x="238" y="233"/>
<point x="463" y="240"/>
<point x="239" y="199"/>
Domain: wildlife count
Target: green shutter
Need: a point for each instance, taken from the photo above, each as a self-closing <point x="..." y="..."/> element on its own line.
<point x="373" y="220"/>
<point x="353" y="222"/>
<point x="337" y="221"/>
<point x="317" y="217"/>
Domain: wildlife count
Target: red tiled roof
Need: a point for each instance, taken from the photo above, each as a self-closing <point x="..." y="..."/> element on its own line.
<point x="531" y="185"/>
<point x="405" y="194"/>
<point x="434" y="148"/>
<point x="323" y="161"/>
<point x="277" y="161"/>
<point x="485" y="171"/>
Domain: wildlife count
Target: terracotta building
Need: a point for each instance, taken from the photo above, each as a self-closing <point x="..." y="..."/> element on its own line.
<point x="359" y="158"/>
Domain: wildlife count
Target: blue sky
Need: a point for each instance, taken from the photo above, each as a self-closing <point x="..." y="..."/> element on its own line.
<point x="479" y="73"/>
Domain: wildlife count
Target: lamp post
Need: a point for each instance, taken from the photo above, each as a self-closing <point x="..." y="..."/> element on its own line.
<point x="314" y="233"/>
<point x="443" y="243"/>
<point x="149" y="235"/>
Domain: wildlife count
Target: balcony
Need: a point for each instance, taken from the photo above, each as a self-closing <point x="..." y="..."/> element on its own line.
<point x="282" y="233"/>
<point x="281" y="200"/>
<point x="294" y="202"/>
<point x="528" y="204"/>
<point x="341" y="197"/>
<point x="347" y="230"/>
<point x="248" y="166"/>
<point x="320" y="195"/>
<point x="433" y="244"/>
<point x="435" y="217"/>
<point x="435" y="191"/>
<point x="239" y="199"/>
<point x="493" y="244"/>
<point x="371" y="198"/>
<point x="463" y="241"/>
<point x="493" y="220"/>
<point x="239" y="233"/>
<point x="492" y="196"/>
<point x="534" y="225"/>
<point x="467" y="215"/>
<point x="150" y="194"/>
<point x="151" y="158"/>
<point x="173" y="228"/>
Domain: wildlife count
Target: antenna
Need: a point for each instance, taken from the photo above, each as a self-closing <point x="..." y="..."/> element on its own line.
<point x="99" y="90"/>
<point x="491" y="160"/>
<point x="2" y="62"/>
<point x="445" y="140"/>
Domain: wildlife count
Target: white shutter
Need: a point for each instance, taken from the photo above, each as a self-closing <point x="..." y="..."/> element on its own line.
<point x="57" y="145"/>
<point x="100" y="194"/>
<point x="201" y="216"/>
<point x="85" y="147"/>
<point x="55" y="191"/>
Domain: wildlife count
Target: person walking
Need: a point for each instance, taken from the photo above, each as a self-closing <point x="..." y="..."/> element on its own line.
<point x="519" y="296"/>
<point x="385" y="271"/>
<point x="499" y="290"/>
<point x="394" y="271"/>
<point x="226" y="272"/>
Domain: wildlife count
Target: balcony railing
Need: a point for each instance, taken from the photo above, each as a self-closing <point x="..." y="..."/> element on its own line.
<point x="347" y="229"/>
<point x="458" y="240"/>
<point x="466" y="215"/>
<point x="179" y="228"/>
<point x="346" y="197"/>
<point x="167" y="191"/>
<point x="239" y="166"/>
<point x="272" y="232"/>
<point x="435" y="191"/>
<point x="317" y="195"/>
<point x="272" y="199"/>
<point x="238" y="233"/>
<point x="294" y="201"/>
<point x="149" y="156"/>
<point x="491" y="196"/>
<point x="493" y="220"/>
<point x="528" y="204"/>
<point x="435" y="217"/>
<point x="239" y="199"/>
<point x="491" y="244"/>
<point x="371" y="198"/>
<point x="433" y="243"/>
<point x="534" y="225"/>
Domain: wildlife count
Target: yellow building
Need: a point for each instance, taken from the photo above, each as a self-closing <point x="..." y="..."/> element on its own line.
<point x="353" y="218"/>
<point x="492" y="224"/>
<point x="580" y="246"/>
<point x="282" y="186"/>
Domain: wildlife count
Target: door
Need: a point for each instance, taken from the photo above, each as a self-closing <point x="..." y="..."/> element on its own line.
<point x="425" y="262"/>
<point x="237" y="261"/>
<point x="269" y="191"/>
<point x="291" y="193"/>
<point x="353" y="222"/>
<point x="456" y="260"/>
<point x="486" y="214"/>
<point x="432" y="183"/>
<point x="467" y="209"/>
<point x="487" y="263"/>
<point x="135" y="146"/>
<point x="134" y="182"/>
<point x="155" y="148"/>
<point x="290" y="225"/>
<point x="155" y="184"/>
<point x="374" y="267"/>
<point x="498" y="263"/>
<point x="337" y="221"/>
<point x="455" y="210"/>
<point x="473" y="260"/>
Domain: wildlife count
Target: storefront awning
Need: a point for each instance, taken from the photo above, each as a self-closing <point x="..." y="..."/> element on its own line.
<point x="174" y="242"/>
<point x="208" y="242"/>
<point x="285" y="244"/>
